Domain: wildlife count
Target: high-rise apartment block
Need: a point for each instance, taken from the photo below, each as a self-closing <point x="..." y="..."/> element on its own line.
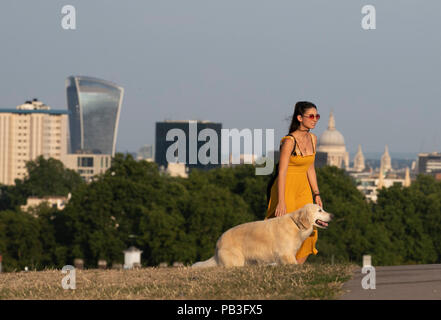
<point x="30" y="130"/>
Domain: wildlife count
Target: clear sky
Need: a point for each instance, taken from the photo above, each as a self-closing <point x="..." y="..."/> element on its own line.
<point x="243" y="63"/>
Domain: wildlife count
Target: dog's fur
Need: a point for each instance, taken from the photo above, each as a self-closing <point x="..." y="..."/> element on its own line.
<point x="269" y="241"/>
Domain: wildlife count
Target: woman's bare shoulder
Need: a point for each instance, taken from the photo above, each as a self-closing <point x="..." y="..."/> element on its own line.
<point x="287" y="141"/>
<point x="287" y="138"/>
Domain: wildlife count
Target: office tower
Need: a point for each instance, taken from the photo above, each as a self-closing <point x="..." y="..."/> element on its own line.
<point x="429" y="163"/>
<point x="192" y="146"/>
<point x="30" y="130"/>
<point x="94" y="107"/>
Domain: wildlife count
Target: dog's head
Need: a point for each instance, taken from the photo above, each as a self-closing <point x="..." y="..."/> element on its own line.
<point x="312" y="215"/>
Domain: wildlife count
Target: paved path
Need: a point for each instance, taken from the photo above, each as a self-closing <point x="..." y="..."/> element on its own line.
<point x="412" y="282"/>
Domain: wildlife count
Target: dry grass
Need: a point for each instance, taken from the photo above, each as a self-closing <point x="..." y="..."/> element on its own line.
<point x="308" y="281"/>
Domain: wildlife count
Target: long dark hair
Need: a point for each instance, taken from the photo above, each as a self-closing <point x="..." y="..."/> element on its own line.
<point x="299" y="109"/>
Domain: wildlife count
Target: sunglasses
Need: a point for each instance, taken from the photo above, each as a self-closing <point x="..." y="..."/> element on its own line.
<point x="312" y="116"/>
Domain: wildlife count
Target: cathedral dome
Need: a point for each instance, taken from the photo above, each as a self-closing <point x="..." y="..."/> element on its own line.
<point x="331" y="137"/>
<point x="332" y="143"/>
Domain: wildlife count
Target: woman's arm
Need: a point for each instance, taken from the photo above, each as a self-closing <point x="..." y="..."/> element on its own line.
<point x="312" y="178"/>
<point x="285" y="152"/>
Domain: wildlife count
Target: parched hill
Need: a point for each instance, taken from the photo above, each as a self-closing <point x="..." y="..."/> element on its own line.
<point x="308" y="281"/>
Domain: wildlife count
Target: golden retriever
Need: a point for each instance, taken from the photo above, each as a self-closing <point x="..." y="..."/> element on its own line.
<point x="269" y="241"/>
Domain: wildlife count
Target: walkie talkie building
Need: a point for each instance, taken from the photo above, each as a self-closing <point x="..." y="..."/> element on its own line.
<point x="94" y="106"/>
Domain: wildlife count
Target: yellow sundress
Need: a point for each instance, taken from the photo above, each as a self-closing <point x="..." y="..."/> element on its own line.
<point x="297" y="192"/>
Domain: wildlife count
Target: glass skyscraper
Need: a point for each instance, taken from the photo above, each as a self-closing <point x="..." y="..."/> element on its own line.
<point x="94" y="106"/>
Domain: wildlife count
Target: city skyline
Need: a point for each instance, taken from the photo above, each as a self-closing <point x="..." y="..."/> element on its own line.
<point x="370" y="155"/>
<point x="243" y="68"/>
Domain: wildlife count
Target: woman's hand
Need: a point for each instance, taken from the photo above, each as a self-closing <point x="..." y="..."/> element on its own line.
<point x="318" y="201"/>
<point x="280" y="209"/>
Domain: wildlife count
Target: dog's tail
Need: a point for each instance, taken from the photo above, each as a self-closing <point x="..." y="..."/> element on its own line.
<point x="207" y="263"/>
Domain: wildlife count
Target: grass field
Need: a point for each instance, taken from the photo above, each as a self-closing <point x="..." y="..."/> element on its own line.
<point x="308" y="281"/>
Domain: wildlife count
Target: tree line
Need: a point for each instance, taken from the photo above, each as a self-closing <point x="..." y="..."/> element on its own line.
<point x="180" y="219"/>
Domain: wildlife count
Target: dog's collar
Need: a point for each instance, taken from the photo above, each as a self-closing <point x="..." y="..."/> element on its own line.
<point x="293" y="220"/>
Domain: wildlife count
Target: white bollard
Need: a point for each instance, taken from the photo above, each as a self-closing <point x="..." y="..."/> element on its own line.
<point x="367" y="261"/>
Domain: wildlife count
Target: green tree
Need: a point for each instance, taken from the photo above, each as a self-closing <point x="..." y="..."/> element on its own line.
<point x="180" y="219"/>
<point x="396" y="208"/>
<point x="163" y="237"/>
<point x="349" y="235"/>
<point x="101" y="217"/>
<point x="242" y="180"/>
<point x="20" y="241"/>
<point x="53" y="254"/>
<point x="428" y="208"/>
<point x="46" y="177"/>
<point x="211" y="211"/>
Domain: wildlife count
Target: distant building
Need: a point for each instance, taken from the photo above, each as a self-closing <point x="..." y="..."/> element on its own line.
<point x="413" y="166"/>
<point x="243" y="159"/>
<point x="359" y="164"/>
<point x="430" y="163"/>
<point x="369" y="182"/>
<point x="369" y="186"/>
<point x="87" y="165"/>
<point x="184" y="138"/>
<point x="94" y="106"/>
<point x="26" y="132"/>
<point x="407" y="182"/>
<point x="332" y="143"/>
<point x="386" y="160"/>
<point x="57" y="202"/>
<point x="177" y="170"/>
<point x="146" y="153"/>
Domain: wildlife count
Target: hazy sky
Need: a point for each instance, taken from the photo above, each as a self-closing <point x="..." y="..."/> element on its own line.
<point x="243" y="63"/>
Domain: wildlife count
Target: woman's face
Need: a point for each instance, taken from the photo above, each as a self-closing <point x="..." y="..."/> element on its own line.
<point x="309" y="118"/>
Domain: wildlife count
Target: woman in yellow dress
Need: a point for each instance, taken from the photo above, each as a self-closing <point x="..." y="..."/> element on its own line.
<point x="296" y="183"/>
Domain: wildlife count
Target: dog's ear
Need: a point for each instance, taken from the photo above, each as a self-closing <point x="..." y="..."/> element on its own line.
<point x="302" y="220"/>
